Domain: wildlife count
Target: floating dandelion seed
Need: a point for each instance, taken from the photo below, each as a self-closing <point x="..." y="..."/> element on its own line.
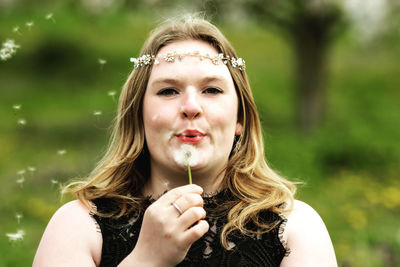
<point x="54" y="181"/>
<point x="63" y="191"/>
<point x="29" y="24"/>
<point x="21" y="122"/>
<point x="31" y="169"/>
<point x="8" y="49"/>
<point x="21" y="172"/>
<point x="16" y="107"/>
<point x="16" y="30"/>
<point x="112" y="93"/>
<point x="102" y="62"/>
<point x="18" y="236"/>
<point x="166" y="184"/>
<point x="21" y="181"/>
<point x="97" y="113"/>
<point x="61" y="152"/>
<point x="50" y="16"/>
<point x="19" y="216"/>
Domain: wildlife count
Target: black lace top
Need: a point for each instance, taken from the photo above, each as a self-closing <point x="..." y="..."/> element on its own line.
<point x="120" y="237"/>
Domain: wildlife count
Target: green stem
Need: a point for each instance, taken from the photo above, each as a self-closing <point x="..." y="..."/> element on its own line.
<point x="190" y="174"/>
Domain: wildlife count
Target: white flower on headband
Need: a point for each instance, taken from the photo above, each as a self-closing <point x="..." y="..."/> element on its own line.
<point x="187" y="155"/>
<point x="142" y="61"/>
<point x="171" y="57"/>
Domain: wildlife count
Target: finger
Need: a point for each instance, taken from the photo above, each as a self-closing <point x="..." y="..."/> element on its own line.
<point x="191" y="216"/>
<point x="175" y="193"/>
<point x="189" y="200"/>
<point x="195" y="232"/>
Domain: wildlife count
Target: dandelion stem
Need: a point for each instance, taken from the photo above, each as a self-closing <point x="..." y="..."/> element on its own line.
<point x="190" y="174"/>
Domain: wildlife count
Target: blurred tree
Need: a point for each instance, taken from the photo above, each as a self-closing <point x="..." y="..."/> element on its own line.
<point x="311" y="26"/>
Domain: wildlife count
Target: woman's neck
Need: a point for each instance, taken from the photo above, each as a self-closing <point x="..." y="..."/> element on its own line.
<point x="161" y="181"/>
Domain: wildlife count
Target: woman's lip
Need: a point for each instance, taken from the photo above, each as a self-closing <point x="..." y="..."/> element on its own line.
<point x="191" y="136"/>
<point x="194" y="140"/>
<point x="190" y="132"/>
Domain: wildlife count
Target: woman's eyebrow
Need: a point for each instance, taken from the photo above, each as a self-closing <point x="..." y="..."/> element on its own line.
<point x="216" y="78"/>
<point x="165" y="81"/>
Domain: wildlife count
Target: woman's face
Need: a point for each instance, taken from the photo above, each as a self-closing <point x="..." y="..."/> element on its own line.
<point x="191" y="101"/>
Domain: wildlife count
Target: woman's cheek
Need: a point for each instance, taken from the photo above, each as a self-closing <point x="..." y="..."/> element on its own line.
<point x="155" y="117"/>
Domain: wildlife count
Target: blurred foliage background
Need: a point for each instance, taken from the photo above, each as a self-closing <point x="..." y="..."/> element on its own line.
<point x="325" y="77"/>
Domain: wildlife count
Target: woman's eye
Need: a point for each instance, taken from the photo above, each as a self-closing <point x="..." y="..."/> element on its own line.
<point x="212" y="90"/>
<point x="167" y="92"/>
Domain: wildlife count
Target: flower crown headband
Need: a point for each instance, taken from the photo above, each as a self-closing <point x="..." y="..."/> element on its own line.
<point x="172" y="56"/>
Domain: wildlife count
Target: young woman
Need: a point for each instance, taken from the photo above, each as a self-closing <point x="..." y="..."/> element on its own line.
<point x="186" y="104"/>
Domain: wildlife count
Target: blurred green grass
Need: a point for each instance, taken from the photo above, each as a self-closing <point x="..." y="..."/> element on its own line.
<point x="350" y="165"/>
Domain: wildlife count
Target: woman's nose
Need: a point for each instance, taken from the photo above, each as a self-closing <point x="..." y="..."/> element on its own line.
<point x="191" y="107"/>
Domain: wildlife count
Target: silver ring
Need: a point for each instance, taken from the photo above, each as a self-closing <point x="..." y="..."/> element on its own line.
<point x="177" y="208"/>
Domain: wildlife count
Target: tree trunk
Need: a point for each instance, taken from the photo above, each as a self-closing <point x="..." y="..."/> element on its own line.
<point x="310" y="79"/>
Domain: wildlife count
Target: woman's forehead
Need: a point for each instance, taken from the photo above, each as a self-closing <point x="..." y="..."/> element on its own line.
<point x="188" y="45"/>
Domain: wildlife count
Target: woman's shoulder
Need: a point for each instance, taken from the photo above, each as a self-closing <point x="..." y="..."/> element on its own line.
<point x="302" y="211"/>
<point x="307" y="238"/>
<point x="302" y="217"/>
<point x="70" y="231"/>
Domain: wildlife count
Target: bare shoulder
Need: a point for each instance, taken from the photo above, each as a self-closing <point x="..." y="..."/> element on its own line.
<point x="71" y="238"/>
<point x="307" y="238"/>
<point x="302" y="212"/>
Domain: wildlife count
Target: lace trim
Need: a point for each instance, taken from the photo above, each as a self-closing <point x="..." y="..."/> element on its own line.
<point x="281" y="230"/>
<point x="92" y="215"/>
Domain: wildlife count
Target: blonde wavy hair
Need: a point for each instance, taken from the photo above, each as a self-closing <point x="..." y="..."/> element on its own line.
<point x="124" y="169"/>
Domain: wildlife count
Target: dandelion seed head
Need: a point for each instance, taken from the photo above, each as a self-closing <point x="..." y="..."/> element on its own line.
<point x="18" y="236"/>
<point x="186" y="155"/>
<point x="112" y="93"/>
<point x="97" y="113"/>
<point x="29" y="24"/>
<point x="61" y="152"/>
<point x="21" y="172"/>
<point x="49" y="16"/>
<point x="15" y="29"/>
<point x="54" y="181"/>
<point x="20" y="181"/>
<point x="17" y="107"/>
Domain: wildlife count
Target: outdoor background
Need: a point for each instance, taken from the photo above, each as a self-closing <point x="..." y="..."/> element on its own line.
<point x="325" y="76"/>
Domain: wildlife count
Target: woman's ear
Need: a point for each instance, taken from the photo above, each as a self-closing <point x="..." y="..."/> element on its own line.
<point x="238" y="129"/>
